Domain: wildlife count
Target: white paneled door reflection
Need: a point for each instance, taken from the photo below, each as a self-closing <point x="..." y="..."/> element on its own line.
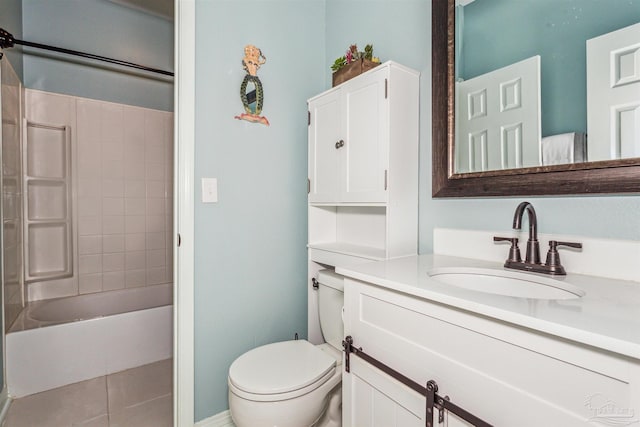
<point x="498" y="119"/>
<point x="613" y="94"/>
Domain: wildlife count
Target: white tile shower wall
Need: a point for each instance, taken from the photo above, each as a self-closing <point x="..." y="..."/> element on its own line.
<point x="124" y="195"/>
<point x="127" y="187"/>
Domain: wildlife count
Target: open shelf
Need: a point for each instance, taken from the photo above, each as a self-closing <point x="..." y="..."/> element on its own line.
<point x="374" y="254"/>
<point x="356" y="231"/>
<point x="48" y="236"/>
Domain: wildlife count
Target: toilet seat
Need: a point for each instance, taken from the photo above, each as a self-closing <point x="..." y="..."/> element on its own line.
<point x="280" y="371"/>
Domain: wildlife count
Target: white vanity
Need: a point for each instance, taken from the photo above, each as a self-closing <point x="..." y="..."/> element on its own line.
<point x="509" y="360"/>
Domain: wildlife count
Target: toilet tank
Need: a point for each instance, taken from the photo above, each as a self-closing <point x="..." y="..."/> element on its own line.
<point x="330" y="303"/>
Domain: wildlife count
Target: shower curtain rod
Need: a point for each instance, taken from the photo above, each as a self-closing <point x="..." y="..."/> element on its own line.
<point x="7" y="40"/>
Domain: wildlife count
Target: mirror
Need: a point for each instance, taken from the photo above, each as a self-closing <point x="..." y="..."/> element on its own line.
<point x="534" y="178"/>
<point x="556" y="71"/>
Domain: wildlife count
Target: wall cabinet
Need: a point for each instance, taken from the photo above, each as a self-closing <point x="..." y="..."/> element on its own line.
<point x="504" y="374"/>
<point x="349" y="141"/>
<point x="363" y="172"/>
<point x="363" y="165"/>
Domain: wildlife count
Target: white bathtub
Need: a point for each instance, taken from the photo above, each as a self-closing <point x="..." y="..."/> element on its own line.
<point x="66" y="340"/>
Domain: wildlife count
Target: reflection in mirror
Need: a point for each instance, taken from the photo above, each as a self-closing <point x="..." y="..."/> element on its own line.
<point x="592" y="177"/>
<point x="545" y="82"/>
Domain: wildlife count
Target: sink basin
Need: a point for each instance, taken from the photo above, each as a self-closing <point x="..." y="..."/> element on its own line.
<point x="505" y="282"/>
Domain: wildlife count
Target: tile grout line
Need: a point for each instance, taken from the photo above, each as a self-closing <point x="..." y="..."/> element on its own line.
<point x="106" y="386"/>
<point x="144" y="402"/>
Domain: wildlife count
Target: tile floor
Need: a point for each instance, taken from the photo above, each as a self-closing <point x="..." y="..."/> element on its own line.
<point x="138" y="397"/>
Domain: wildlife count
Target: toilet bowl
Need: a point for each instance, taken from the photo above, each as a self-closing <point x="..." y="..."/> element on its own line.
<point x="293" y="383"/>
<point x="286" y="384"/>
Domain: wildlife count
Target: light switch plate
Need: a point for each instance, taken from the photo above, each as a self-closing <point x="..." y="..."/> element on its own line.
<point x="209" y="190"/>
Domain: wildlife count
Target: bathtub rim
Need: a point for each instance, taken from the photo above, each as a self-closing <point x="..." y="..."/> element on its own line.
<point x="25" y="321"/>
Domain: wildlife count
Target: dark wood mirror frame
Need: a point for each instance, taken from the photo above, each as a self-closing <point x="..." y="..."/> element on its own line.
<point x="611" y="176"/>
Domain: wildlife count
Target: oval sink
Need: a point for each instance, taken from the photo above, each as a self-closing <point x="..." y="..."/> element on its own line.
<point x="505" y="282"/>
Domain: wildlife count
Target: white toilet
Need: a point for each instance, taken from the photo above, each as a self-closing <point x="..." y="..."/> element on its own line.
<point x="294" y="383"/>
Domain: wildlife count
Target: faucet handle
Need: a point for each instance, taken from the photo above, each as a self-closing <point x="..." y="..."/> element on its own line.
<point x="514" y="251"/>
<point x="553" y="244"/>
<point x="553" y="257"/>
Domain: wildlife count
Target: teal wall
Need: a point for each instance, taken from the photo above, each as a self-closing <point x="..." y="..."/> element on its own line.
<point x="498" y="33"/>
<point x="250" y="248"/>
<point x="399" y="30"/>
<point x="102" y="28"/>
<point x="11" y="21"/>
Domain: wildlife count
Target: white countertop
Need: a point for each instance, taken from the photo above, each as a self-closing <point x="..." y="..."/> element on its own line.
<point x="606" y="317"/>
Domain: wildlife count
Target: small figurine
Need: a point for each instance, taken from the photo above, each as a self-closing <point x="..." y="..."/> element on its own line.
<point x="254" y="99"/>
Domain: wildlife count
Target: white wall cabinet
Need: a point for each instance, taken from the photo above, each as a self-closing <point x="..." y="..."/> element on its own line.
<point x="363" y="166"/>
<point x="504" y="374"/>
<point x="349" y="141"/>
<point x="363" y="172"/>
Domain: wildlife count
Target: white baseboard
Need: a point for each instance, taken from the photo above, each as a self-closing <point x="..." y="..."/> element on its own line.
<point x="5" y="402"/>
<point x="223" y="419"/>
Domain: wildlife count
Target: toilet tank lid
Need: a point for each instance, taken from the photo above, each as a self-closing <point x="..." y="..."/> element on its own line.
<point x="280" y="367"/>
<point x="332" y="279"/>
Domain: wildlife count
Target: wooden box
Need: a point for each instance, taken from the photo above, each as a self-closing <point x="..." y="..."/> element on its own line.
<point x="349" y="71"/>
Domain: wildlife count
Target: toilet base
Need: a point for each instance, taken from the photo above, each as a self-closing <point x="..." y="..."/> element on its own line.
<point x="320" y="408"/>
<point x="332" y="416"/>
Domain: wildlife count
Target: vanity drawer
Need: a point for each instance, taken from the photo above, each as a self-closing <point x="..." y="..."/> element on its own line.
<point x="502" y="373"/>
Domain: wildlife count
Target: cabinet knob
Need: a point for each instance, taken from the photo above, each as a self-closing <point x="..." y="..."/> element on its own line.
<point x="339" y="144"/>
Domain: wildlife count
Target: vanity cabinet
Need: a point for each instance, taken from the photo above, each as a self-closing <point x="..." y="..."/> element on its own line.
<point x="505" y="374"/>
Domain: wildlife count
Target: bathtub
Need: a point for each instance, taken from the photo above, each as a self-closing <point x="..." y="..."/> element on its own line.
<point x="66" y="340"/>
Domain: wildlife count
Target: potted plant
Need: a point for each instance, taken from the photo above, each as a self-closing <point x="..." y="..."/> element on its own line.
<point x="353" y="63"/>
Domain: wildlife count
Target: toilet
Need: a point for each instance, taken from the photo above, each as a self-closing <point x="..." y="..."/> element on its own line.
<point x="294" y="383"/>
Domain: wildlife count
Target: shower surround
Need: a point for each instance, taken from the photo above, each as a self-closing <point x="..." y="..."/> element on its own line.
<point x="120" y="233"/>
<point x="97" y="226"/>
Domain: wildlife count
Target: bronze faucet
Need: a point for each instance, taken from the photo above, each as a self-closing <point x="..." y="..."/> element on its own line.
<point x="532" y="258"/>
<point x="533" y="246"/>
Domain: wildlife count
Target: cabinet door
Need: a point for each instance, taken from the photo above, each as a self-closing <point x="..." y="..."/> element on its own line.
<point x="324" y="132"/>
<point x="372" y="398"/>
<point x="572" y="385"/>
<point x="365" y="153"/>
